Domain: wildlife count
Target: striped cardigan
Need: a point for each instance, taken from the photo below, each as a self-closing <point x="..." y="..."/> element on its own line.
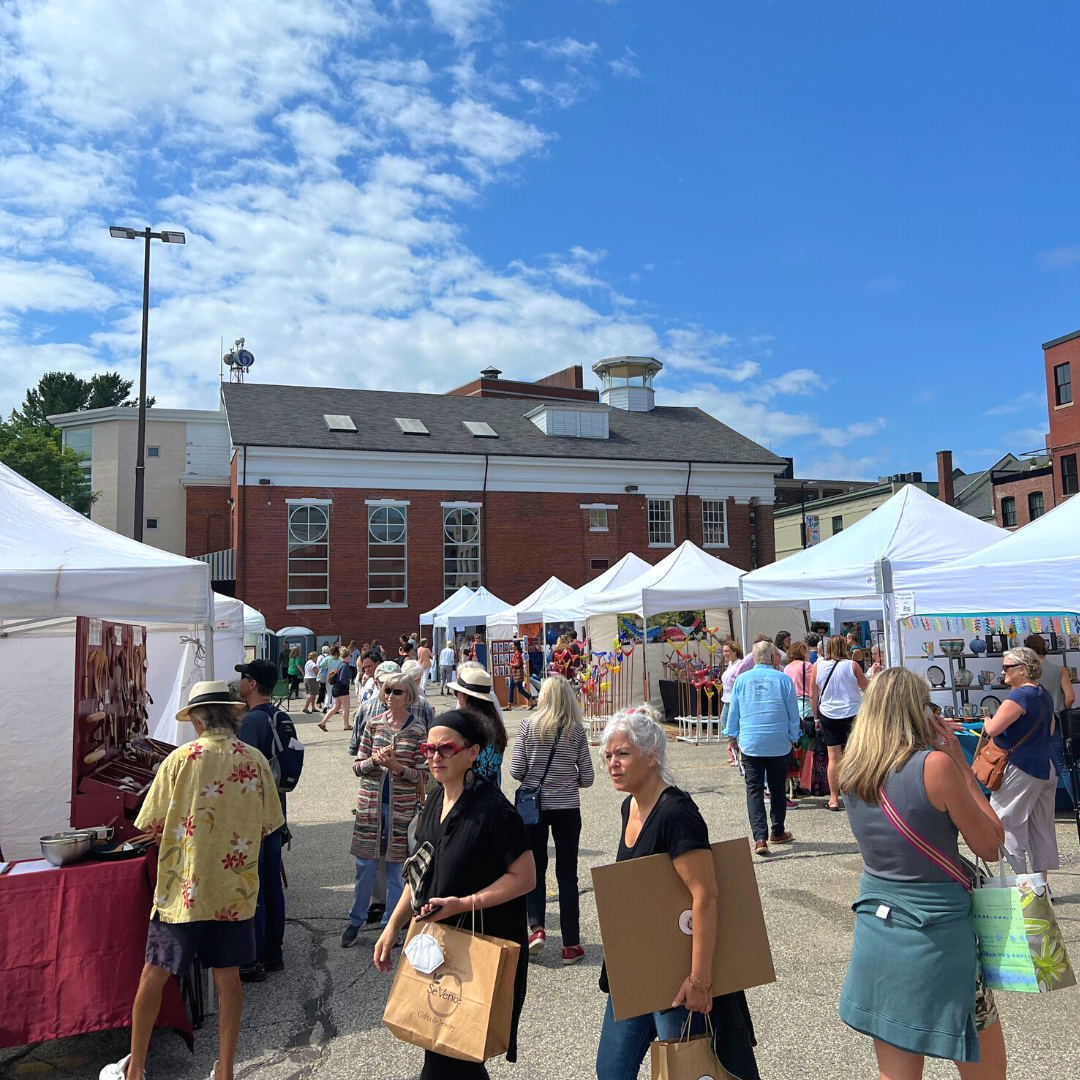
<point x="404" y="797"/>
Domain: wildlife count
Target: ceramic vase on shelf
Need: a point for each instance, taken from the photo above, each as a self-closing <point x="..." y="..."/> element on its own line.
<point x="963" y="678"/>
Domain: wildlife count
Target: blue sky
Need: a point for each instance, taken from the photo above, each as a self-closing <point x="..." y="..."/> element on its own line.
<point x="845" y="229"/>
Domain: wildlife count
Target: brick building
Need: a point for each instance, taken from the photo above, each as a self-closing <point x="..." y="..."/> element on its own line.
<point x="1063" y="440"/>
<point x="357" y="521"/>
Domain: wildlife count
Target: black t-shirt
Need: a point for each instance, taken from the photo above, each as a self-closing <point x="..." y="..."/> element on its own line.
<point x="476" y="843"/>
<point x="674" y="827"/>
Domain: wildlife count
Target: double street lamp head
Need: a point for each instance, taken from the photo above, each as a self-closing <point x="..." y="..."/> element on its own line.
<point x="121" y="232"/>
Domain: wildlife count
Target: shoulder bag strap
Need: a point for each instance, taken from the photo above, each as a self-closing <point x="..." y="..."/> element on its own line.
<point x="1035" y="727"/>
<point x="551" y="757"/>
<point x="821" y="689"/>
<point x="924" y="847"/>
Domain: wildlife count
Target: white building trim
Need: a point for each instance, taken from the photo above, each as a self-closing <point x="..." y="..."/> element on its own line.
<point x="599" y="506"/>
<point x="386" y="502"/>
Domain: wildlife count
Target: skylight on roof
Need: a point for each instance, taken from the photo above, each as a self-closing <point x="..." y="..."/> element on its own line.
<point x="410" y="426"/>
<point x="338" y="422"/>
<point x="480" y="430"/>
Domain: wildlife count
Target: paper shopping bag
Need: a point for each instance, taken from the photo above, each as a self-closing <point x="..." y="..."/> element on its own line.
<point x="646" y="926"/>
<point x="1020" y="943"/>
<point x="686" y="1059"/>
<point x="465" y="1007"/>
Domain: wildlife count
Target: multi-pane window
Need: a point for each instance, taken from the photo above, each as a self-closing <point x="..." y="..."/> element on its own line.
<point x="1062" y="384"/>
<point x="598" y="521"/>
<point x="837" y="524"/>
<point x="81" y="440"/>
<point x="1008" y="511"/>
<point x="309" y="556"/>
<point x="1035" y="505"/>
<point x="713" y="523"/>
<point x="387" y="556"/>
<point x="660" y="534"/>
<point x="461" y="549"/>
<point x="1069" y="482"/>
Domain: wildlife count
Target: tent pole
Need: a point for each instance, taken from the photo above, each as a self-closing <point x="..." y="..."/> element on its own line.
<point x="645" y="653"/>
<point x="744" y="629"/>
<point x="209" y="664"/>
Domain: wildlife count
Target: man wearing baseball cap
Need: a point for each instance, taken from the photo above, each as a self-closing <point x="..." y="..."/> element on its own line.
<point x="257" y="681"/>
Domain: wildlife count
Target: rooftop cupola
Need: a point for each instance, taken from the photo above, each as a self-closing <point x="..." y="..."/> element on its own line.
<point x="626" y="382"/>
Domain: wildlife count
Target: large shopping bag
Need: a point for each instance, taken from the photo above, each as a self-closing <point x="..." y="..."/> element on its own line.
<point x="1020" y="943"/>
<point x="464" y="1008"/>
<point x="687" y="1058"/>
<point x="814" y="777"/>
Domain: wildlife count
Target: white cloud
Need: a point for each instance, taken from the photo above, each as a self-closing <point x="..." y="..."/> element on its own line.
<point x="567" y="48"/>
<point x="461" y="19"/>
<point x="624" y="67"/>
<point x="1063" y="258"/>
<point x="1025" y="401"/>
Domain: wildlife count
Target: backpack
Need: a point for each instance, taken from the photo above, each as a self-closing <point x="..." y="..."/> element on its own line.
<point x="287" y="759"/>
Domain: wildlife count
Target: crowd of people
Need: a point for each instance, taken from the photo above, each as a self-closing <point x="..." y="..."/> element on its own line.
<point x="434" y="837"/>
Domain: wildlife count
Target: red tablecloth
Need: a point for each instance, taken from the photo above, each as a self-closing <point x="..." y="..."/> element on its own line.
<point x="72" y="943"/>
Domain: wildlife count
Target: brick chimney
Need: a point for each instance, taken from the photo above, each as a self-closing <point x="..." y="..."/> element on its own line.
<point x="944" y="476"/>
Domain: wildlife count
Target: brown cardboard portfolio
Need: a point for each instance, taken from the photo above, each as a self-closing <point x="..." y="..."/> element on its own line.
<point x="645" y="925"/>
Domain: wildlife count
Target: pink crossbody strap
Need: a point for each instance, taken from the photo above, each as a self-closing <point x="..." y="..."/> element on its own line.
<point x="924" y="847"/>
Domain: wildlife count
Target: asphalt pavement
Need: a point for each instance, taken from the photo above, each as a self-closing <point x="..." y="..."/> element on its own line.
<point x="321" y="1017"/>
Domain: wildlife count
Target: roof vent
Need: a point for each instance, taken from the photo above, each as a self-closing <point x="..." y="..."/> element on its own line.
<point x="337" y="422"/>
<point x="409" y="426"/>
<point x="491" y="373"/>
<point x="480" y="430"/>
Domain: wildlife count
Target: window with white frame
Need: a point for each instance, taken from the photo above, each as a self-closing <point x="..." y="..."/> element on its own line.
<point x="660" y="534"/>
<point x="461" y="549"/>
<point x="598" y="521"/>
<point x="309" y="556"/>
<point x="387" y="556"/>
<point x="713" y="523"/>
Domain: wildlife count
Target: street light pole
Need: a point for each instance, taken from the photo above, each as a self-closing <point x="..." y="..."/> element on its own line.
<point x="140" y="453"/>
<point x="166" y="237"/>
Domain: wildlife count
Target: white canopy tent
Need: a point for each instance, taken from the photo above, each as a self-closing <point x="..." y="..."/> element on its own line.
<point x="688" y="579"/>
<point x="56" y="564"/>
<point x="1036" y="569"/>
<point x="856" y="568"/>
<point x="571" y="608"/>
<point x="504" y="624"/>
<point x="472" y="611"/>
<point x="428" y="617"/>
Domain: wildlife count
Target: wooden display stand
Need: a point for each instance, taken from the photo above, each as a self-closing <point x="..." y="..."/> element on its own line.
<point x="112" y="756"/>
<point x="499" y="654"/>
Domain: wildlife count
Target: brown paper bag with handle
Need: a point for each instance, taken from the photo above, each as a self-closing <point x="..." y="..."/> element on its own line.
<point x="464" y="1008"/>
<point x="689" y="1057"/>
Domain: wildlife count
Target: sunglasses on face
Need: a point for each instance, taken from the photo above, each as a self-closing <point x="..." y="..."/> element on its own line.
<point x="395" y="691"/>
<point x="1006" y="667"/>
<point x="444" y="750"/>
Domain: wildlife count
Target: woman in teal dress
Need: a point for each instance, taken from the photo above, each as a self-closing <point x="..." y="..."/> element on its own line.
<point x="914" y="984"/>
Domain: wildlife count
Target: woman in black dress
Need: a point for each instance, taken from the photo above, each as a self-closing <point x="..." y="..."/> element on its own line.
<point x="660" y="819"/>
<point x="480" y="860"/>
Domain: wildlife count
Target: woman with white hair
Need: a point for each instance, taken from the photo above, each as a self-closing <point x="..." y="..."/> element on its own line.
<point x="552" y="752"/>
<point x="1023" y="725"/>
<point x="660" y="819"/>
<point x="393" y="771"/>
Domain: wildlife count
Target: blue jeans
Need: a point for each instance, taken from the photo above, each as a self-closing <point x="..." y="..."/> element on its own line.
<point x="624" y="1043"/>
<point x="365" y="882"/>
<point x="270" y="908"/>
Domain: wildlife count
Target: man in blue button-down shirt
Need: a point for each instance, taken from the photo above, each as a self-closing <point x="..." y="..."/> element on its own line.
<point x="764" y="717"/>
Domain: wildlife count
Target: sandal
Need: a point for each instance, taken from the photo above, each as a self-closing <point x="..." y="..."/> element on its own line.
<point x="835" y="809"/>
<point x="322" y="727"/>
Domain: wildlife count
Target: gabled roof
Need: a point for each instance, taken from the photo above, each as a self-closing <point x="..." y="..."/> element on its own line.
<point x="292" y="416"/>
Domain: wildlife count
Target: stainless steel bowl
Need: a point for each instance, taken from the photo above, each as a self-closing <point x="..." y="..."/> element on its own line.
<point x="64" y="848"/>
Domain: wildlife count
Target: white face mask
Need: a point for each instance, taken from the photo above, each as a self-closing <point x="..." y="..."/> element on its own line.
<point x="424" y="953"/>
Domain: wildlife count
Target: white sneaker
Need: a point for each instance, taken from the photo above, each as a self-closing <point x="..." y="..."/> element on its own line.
<point x="116" y="1071"/>
<point x="213" y="1071"/>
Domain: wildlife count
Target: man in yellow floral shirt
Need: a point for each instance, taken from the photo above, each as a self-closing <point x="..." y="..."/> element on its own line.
<point x="210" y="805"/>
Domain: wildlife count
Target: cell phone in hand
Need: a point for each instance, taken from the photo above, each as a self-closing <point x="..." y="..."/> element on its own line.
<point x="434" y="911"/>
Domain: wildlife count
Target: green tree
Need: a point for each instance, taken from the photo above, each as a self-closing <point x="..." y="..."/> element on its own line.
<point x="35" y="452"/>
<point x="62" y="391"/>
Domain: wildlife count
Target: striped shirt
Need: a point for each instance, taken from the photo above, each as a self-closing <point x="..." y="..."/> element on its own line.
<point x="571" y="767"/>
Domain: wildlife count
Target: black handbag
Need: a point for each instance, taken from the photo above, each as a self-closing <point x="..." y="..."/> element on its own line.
<point x="527" y="797"/>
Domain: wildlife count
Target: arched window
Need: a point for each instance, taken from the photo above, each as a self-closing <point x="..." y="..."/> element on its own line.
<point x="461" y="549"/>
<point x="387" y="556"/>
<point x="309" y="555"/>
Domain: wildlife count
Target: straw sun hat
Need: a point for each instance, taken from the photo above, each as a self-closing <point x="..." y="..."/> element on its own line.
<point x="210" y="693"/>
<point x="475" y="682"/>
